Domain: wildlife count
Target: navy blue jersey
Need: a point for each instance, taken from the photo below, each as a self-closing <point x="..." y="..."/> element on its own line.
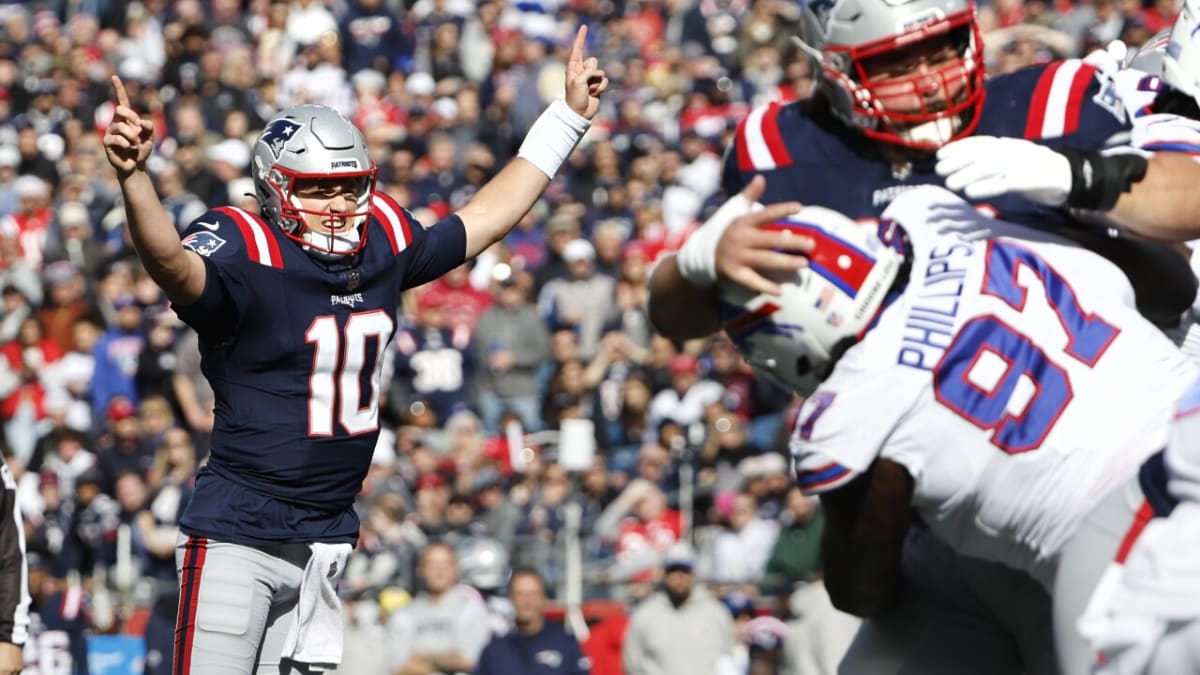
<point x="293" y="348"/>
<point x="549" y="651"/>
<point x="1063" y="104"/>
<point x="57" y="641"/>
<point x="436" y="366"/>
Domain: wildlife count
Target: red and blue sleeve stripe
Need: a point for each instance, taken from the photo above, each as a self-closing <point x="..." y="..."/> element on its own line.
<point x="821" y="477"/>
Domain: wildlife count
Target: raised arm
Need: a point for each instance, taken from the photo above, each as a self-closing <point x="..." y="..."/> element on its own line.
<point x="128" y="143"/>
<point x="505" y="199"/>
<point x="866" y="522"/>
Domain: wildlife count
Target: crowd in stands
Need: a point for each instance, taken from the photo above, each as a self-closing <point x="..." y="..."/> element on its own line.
<point x="106" y="414"/>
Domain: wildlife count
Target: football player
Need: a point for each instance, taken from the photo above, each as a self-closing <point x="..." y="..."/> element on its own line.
<point x="970" y="385"/>
<point x="294" y="308"/>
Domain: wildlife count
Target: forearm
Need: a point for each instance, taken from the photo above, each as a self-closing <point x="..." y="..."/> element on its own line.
<point x="499" y="204"/>
<point x="177" y="271"/>
<point x="679" y="309"/>
<point x="1165" y="204"/>
<point x="861" y="547"/>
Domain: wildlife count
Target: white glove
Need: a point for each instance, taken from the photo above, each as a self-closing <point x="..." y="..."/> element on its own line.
<point x="1109" y="59"/>
<point x="697" y="258"/>
<point x="985" y="166"/>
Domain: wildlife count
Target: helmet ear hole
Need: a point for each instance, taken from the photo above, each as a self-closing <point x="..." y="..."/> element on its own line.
<point x="803" y="366"/>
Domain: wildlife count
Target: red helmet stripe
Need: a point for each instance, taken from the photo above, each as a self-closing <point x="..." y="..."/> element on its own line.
<point x="832" y="257"/>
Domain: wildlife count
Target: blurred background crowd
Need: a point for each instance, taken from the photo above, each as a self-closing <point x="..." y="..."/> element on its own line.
<point x="106" y="414"/>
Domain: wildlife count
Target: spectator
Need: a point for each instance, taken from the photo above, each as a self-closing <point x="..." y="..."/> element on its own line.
<point x="680" y="629"/>
<point x="445" y="627"/>
<point x="117" y="355"/>
<point x="123" y="449"/>
<point x="583" y="300"/>
<point x="512" y="341"/>
<point x="434" y="364"/>
<point x="156" y="362"/>
<point x="191" y="390"/>
<point x="76" y="242"/>
<point x="462" y="303"/>
<point x="375" y="38"/>
<point x="16" y="310"/>
<point x="496" y="513"/>
<point x="797" y="553"/>
<point x="642" y="527"/>
<point x="739" y="553"/>
<point x="183" y="206"/>
<point x="684" y="401"/>
<point x="65" y="303"/>
<point x="818" y="635"/>
<point x="551" y="649"/>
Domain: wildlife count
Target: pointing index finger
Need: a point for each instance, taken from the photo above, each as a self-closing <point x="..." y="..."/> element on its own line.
<point x="122" y="96"/>
<point x="577" y="47"/>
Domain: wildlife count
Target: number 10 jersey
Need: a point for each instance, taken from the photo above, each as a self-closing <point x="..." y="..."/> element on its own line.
<point x="1013" y="378"/>
<point x="293" y="349"/>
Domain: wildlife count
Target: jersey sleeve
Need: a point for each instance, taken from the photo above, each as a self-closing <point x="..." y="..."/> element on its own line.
<point x="426" y="252"/>
<point x="1183" y="447"/>
<point x="220" y="238"/>
<point x="1062" y="104"/>
<point x="765" y="141"/>
<point x="1167" y="133"/>
<point x="830" y="443"/>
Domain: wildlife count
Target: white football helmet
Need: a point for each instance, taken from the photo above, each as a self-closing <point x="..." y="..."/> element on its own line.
<point x="483" y="563"/>
<point x="794" y="339"/>
<point x="307" y="142"/>
<point x="1181" y="63"/>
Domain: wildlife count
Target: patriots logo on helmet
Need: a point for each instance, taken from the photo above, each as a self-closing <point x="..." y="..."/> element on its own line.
<point x="204" y="243"/>
<point x="278" y="133"/>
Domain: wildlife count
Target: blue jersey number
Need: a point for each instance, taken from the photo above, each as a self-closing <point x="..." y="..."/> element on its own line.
<point x="1088" y="336"/>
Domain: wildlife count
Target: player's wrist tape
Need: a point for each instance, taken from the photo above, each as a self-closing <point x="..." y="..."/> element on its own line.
<point x="553" y="136"/>
<point x="1098" y="181"/>
<point x="697" y="258"/>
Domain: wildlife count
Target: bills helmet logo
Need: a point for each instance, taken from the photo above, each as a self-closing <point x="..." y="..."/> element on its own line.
<point x="277" y="134"/>
<point x="204" y="243"/>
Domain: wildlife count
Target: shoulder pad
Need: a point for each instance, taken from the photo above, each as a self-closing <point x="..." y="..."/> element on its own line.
<point x="395" y="221"/>
<point x="759" y="142"/>
<point x="229" y="233"/>
<point x="1056" y="95"/>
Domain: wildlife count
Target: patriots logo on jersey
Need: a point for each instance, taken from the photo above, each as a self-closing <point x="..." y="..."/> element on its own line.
<point x="204" y="243"/>
<point x="278" y="133"/>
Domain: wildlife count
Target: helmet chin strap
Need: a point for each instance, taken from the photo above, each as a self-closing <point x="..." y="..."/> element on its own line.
<point x="330" y="246"/>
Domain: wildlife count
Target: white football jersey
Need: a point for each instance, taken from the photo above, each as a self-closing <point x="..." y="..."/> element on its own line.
<point x="1013" y="378"/>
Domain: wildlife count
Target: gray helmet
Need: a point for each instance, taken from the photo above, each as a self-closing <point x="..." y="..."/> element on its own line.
<point x="313" y="142"/>
<point x="483" y="563"/>
<point x="841" y="35"/>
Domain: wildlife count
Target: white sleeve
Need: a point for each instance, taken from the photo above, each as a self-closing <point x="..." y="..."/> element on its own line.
<point x="832" y="441"/>
<point x="1167" y="133"/>
<point x="1183" y="448"/>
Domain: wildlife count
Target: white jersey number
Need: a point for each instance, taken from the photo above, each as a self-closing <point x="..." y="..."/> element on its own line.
<point x="329" y="385"/>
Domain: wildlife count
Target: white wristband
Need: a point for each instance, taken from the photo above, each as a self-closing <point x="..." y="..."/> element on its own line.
<point x="552" y="137"/>
<point x="697" y="258"/>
